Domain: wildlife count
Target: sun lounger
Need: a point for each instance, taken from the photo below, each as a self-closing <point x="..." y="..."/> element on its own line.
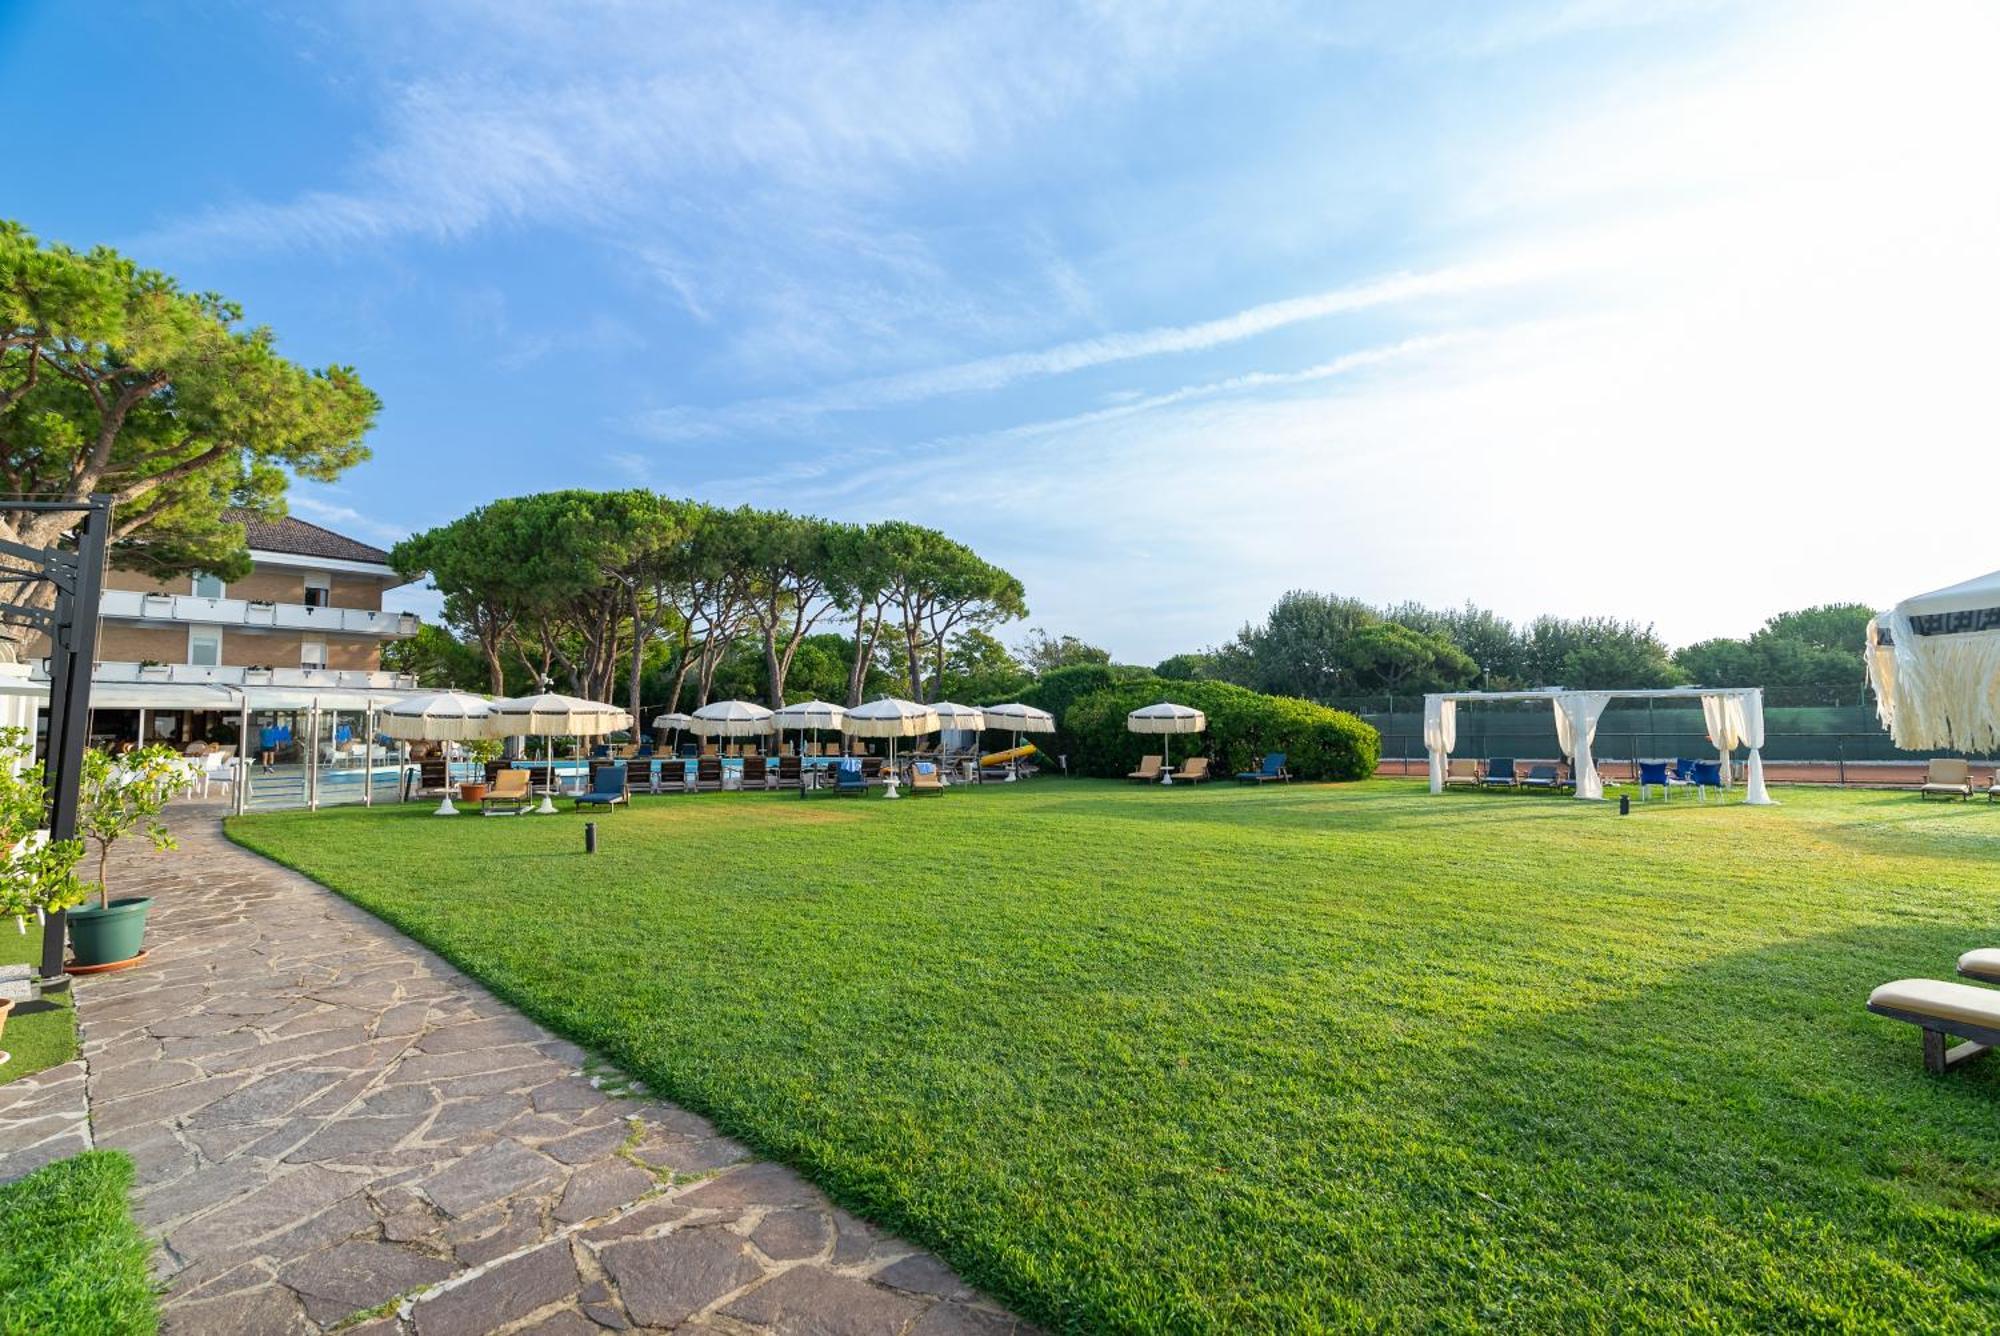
<point x="1939" y="1009"/>
<point x="1983" y="965"/>
<point x="607" y="787"/>
<point x="1194" y="770"/>
<point x="708" y="773"/>
<point x="1461" y="772"/>
<point x="1947" y="777"/>
<point x="1499" y="774"/>
<point x="790" y="772"/>
<point x="756" y="773"/>
<point x="1273" y="769"/>
<point x="1149" y="770"/>
<point x="1541" y="777"/>
<point x="924" y="778"/>
<point x="508" y="794"/>
<point x="639" y="775"/>
<point x="871" y="769"/>
<point x="849" y="778"/>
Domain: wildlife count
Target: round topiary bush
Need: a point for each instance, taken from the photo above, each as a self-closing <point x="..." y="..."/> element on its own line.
<point x="1243" y="725"/>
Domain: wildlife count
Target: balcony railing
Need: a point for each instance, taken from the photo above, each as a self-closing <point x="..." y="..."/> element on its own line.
<point x="242" y="612"/>
<point x="237" y="676"/>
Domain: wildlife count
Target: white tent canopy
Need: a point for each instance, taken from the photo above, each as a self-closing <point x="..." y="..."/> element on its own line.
<point x="1934" y="662"/>
<point x="1734" y="715"/>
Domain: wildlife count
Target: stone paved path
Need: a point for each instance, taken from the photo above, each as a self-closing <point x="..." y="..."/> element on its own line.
<point x="330" y="1121"/>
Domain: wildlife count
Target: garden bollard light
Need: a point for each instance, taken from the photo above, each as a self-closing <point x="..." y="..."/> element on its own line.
<point x="1624" y="804"/>
<point x="590" y="837"/>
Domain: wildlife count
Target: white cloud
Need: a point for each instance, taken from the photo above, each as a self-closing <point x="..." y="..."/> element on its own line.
<point x="1765" y="383"/>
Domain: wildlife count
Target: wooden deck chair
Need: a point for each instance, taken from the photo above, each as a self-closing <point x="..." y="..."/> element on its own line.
<point x="756" y="772"/>
<point x="1148" y="771"/>
<point x="1194" y="770"/>
<point x="708" y="773"/>
<point x="1461" y="772"/>
<point x="607" y="787"/>
<point x="925" y="778"/>
<point x="1940" y="1009"/>
<point x="508" y="795"/>
<point x="1947" y="777"/>
<point x="639" y="775"/>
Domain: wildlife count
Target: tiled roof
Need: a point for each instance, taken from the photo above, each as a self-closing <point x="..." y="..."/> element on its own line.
<point x="298" y="538"/>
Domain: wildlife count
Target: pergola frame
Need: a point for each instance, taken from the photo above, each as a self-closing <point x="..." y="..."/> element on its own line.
<point x="1583" y="708"/>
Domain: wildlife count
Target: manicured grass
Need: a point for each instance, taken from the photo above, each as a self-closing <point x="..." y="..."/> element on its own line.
<point x="1292" y="1059"/>
<point x="71" y="1260"/>
<point x="39" y="1034"/>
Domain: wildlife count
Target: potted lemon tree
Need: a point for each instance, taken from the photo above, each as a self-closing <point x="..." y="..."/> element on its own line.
<point x="36" y="876"/>
<point x="117" y="797"/>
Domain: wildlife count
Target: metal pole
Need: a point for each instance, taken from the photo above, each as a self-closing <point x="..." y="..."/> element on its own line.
<point x="72" y="657"/>
<point x="368" y="757"/>
<point x="312" y="757"/>
<point x="243" y="756"/>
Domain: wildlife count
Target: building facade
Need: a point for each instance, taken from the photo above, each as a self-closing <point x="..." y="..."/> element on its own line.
<point x="309" y="613"/>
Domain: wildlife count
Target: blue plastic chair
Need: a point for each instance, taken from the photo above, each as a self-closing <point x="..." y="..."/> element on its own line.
<point x="1499" y="773"/>
<point x="1651" y="773"/>
<point x="1706" y="775"/>
<point x="848" y="777"/>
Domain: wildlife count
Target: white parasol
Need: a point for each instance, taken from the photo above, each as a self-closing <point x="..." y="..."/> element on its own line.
<point x="551" y="715"/>
<point x="1018" y="719"/>
<point x="1166" y="718"/>
<point x="439" y="716"/>
<point x="814" y="715"/>
<point x="731" y="719"/>
<point x="890" y="718"/>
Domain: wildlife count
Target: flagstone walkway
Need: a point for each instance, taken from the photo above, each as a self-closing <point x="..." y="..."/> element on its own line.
<point x="334" y="1126"/>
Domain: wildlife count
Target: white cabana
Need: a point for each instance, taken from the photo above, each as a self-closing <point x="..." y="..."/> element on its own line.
<point x="1934" y="662"/>
<point x="890" y="718"/>
<point x="1734" y="715"/>
<point x="1166" y="718"/>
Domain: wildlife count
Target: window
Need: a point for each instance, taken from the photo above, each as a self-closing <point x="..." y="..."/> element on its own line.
<point x="208" y="586"/>
<point x="204" y="647"/>
<point x="312" y="654"/>
<point x="319" y="589"/>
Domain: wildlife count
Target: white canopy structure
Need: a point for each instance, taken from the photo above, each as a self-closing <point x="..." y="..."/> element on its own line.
<point x="1934" y="661"/>
<point x="1734" y="715"/>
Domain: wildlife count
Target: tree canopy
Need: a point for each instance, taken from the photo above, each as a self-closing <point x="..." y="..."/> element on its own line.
<point x="689" y="600"/>
<point x="114" y="380"/>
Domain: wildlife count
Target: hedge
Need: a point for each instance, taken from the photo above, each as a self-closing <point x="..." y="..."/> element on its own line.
<point x="1318" y="743"/>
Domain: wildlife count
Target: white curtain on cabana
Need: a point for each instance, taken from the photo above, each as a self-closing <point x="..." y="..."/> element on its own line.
<point x="1440" y="735"/>
<point x="1577" y="713"/>
<point x="1940" y="690"/>
<point x="1751" y="721"/>
<point x="1724" y="717"/>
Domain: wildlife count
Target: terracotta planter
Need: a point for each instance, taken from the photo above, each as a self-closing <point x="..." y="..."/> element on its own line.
<point x="471" y="793"/>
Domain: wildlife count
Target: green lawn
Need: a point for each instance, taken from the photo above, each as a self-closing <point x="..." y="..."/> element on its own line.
<point x="72" y="1263"/>
<point x="1290" y="1059"/>
<point x="39" y="1034"/>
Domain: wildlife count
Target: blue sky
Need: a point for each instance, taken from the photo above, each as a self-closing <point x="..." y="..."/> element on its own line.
<point x="1672" y="311"/>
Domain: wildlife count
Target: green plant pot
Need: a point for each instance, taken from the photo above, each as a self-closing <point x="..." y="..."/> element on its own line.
<point x="107" y="936"/>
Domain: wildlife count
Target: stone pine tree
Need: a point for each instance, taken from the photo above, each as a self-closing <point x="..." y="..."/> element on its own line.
<point x="114" y="380"/>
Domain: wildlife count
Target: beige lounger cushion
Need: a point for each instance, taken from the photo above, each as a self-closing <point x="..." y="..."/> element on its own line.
<point x="1981" y="964"/>
<point x="1946" y="788"/>
<point x="1940" y="1000"/>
